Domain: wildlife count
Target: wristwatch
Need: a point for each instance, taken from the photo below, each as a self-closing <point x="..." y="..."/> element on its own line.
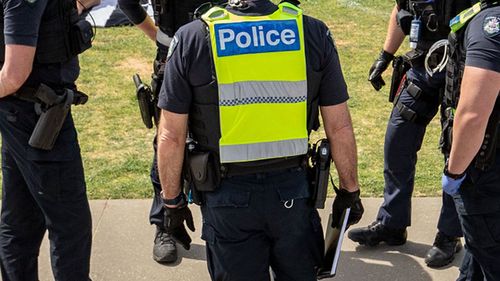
<point x="180" y="200"/>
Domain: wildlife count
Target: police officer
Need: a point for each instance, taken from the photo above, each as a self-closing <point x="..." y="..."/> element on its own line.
<point x="415" y="106"/>
<point x="248" y="79"/>
<point x="472" y="174"/>
<point x="43" y="189"/>
<point x="169" y="16"/>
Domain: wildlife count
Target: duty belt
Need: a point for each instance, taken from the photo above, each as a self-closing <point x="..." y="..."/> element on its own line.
<point x="29" y="94"/>
<point x="264" y="166"/>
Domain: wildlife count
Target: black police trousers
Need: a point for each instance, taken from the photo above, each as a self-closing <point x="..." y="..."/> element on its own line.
<point x="403" y="139"/>
<point x="255" y="222"/>
<point x="478" y="206"/>
<point x="42" y="190"/>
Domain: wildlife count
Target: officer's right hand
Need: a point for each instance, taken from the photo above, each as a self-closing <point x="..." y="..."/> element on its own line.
<point x="344" y="200"/>
<point x="378" y="67"/>
<point x="174" y="224"/>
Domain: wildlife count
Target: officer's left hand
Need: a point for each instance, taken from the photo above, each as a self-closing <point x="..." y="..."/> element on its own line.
<point x="378" y="67"/>
<point x="451" y="186"/>
<point x="174" y="224"/>
<point x="344" y="200"/>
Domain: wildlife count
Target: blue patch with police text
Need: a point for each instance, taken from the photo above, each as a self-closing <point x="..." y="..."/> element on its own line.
<point x="256" y="37"/>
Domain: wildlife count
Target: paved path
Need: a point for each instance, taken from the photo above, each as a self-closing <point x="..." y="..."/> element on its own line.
<point x="123" y="244"/>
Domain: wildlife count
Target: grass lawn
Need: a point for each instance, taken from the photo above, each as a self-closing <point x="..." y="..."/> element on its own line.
<point x="116" y="147"/>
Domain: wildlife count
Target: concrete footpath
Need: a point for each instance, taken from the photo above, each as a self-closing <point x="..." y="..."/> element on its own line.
<point x="123" y="241"/>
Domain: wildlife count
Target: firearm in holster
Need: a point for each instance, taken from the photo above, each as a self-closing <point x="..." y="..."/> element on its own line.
<point x="53" y="109"/>
<point x="319" y="172"/>
<point x="400" y="66"/>
<point x="147" y="100"/>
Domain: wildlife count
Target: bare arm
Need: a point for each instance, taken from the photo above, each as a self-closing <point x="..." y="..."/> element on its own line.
<point x="16" y="69"/>
<point x="172" y="133"/>
<point x="395" y="35"/>
<point x="149" y="28"/>
<point x="479" y="91"/>
<point x="339" y="130"/>
<point x="82" y="5"/>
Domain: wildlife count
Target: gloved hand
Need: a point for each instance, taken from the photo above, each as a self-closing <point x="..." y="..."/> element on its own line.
<point x="344" y="200"/>
<point x="378" y="67"/>
<point x="450" y="185"/>
<point x="174" y="224"/>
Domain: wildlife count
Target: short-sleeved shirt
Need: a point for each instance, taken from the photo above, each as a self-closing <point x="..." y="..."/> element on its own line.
<point x="482" y="40"/>
<point x="190" y="65"/>
<point x="22" y="20"/>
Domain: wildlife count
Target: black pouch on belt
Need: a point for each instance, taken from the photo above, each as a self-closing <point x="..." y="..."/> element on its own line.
<point x="203" y="171"/>
<point x="81" y="37"/>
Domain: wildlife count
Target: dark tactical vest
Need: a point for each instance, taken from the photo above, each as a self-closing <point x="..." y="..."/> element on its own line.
<point x="56" y="37"/>
<point x="454" y="73"/>
<point x="170" y="15"/>
<point x="435" y="17"/>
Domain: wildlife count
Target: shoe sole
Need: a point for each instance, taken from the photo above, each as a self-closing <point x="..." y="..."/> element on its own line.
<point x="373" y="243"/>
<point x="164" y="259"/>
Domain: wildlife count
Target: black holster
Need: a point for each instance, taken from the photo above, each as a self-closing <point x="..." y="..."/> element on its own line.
<point x="400" y="66"/>
<point x="318" y="172"/>
<point x="53" y="109"/>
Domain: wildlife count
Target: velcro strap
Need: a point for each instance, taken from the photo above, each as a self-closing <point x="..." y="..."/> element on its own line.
<point x="29" y="94"/>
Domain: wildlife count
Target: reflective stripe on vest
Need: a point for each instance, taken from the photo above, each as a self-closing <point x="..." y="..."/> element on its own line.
<point x="261" y="75"/>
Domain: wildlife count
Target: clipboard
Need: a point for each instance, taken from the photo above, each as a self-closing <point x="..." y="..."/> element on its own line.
<point x="333" y="246"/>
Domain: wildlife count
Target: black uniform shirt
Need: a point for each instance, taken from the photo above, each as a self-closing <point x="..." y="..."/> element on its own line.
<point x="21" y="24"/>
<point x="482" y="40"/>
<point x="189" y="64"/>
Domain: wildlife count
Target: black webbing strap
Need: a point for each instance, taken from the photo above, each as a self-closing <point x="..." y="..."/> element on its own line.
<point x="29" y="94"/>
<point x="263" y="166"/>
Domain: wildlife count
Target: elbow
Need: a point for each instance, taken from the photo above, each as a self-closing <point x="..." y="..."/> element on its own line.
<point x="172" y="138"/>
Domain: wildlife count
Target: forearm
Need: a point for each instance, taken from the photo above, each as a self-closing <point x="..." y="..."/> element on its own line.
<point x="170" y="158"/>
<point x="7" y="86"/>
<point x="148" y="27"/>
<point x="468" y="134"/>
<point x="344" y="155"/>
<point x="478" y="94"/>
<point x="395" y="35"/>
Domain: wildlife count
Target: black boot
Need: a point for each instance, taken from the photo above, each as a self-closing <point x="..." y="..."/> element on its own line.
<point x="376" y="233"/>
<point x="443" y="250"/>
<point x="164" y="249"/>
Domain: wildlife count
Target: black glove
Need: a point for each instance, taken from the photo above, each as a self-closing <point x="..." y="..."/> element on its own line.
<point x="174" y="224"/>
<point x="378" y="67"/>
<point x="344" y="200"/>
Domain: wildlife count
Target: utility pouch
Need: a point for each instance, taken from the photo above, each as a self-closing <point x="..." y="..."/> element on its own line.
<point x="404" y="19"/>
<point x="319" y="172"/>
<point x="488" y="150"/>
<point x="416" y="58"/>
<point x="146" y="101"/>
<point x="81" y="37"/>
<point x="54" y="110"/>
<point x="447" y="131"/>
<point x="400" y="67"/>
<point x="202" y="170"/>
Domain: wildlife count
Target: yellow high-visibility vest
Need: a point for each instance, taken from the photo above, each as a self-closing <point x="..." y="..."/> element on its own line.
<point x="260" y="66"/>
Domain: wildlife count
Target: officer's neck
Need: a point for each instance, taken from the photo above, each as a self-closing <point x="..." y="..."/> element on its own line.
<point x="254" y="7"/>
